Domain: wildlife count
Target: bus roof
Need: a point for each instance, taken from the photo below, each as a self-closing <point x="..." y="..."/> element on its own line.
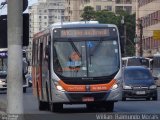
<point x="80" y="24"/>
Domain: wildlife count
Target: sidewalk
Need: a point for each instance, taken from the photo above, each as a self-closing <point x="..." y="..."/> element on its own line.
<point x="3" y="105"/>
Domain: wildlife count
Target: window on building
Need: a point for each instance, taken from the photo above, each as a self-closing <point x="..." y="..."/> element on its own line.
<point x="128" y="1"/>
<point x="45" y="23"/>
<point x="128" y="9"/>
<point x="98" y="7"/>
<point x="118" y="8"/>
<point x="109" y="8"/>
<point x="45" y="17"/>
<point x="45" y="11"/>
<point x="118" y="1"/>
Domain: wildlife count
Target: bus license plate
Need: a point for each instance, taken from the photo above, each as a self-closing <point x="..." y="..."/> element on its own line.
<point x="140" y="92"/>
<point x="88" y="99"/>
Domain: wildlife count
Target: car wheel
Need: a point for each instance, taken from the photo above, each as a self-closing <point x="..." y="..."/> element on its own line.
<point x="154" y="98"/>
<point x="148" y="99"/>
<point x="123" y="98"/>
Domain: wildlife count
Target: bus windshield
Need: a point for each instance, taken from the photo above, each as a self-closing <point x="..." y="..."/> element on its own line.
<point x="86" y="57"/>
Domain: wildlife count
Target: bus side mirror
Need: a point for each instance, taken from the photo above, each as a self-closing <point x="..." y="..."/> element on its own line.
<point x="122" y="45"/>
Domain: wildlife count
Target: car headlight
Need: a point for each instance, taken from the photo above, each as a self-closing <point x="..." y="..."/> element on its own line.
<point x="153" y="87"/>
<point x="2" y="81"/>
<point x="127" y="87"/>
<point x="58" y="87"/>
<point x="115" y="86"/>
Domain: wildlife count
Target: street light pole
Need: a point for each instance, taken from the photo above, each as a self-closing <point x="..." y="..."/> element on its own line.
<point x="141" y="37"/>
<point x="14" y="73"/>
<point x="124" y="34"/>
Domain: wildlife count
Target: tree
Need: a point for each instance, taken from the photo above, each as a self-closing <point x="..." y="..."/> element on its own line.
<point x="107" y="17"/>
<point x="88" y="13"/>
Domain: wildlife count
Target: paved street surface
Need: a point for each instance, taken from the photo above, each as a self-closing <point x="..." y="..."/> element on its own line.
<point x="79" y="112"/>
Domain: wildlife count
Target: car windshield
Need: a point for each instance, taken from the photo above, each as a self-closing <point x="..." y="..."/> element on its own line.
<point x="3" y="65"/>
<point x="156" y="72"/>
<point x="138" y="62"/>
<point x="137" y="74"/>
<point x="86" y="58"/>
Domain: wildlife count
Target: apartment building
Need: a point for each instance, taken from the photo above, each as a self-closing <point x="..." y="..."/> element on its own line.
<point x="74" y="8"/>
<point x="149" y="12"/>
<point x="42" y="14"/>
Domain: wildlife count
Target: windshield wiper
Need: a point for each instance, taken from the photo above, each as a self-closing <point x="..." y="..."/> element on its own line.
<point x="75" y="49"/>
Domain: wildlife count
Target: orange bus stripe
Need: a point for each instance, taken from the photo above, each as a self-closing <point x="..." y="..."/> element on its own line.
<point x="102" y="87"/>
<point x="82" y="88"/>
<point x="72" y="88"/>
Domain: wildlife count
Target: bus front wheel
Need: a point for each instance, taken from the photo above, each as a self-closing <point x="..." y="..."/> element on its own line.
<point x="109" y="106"/>
<point x="56" y="107"/>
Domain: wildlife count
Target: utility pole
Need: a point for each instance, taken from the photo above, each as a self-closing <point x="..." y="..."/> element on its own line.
<point x="124" y="34"/>
<point x="137" y="30"/>
<point x="125" y="40"/>
<point x="14" y="80"/>
<point x="141" y="37"/>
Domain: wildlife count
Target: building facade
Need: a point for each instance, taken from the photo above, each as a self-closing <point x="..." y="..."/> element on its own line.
<point x="42" y="14"/>
<point x="148" y="11"/>
<point x="74" y="8"/>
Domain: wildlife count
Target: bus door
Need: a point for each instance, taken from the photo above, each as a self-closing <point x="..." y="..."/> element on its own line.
<point x="40" y="54"/>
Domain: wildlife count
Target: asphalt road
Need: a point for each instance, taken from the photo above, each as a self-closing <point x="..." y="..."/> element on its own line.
<point x="80" y="112"/>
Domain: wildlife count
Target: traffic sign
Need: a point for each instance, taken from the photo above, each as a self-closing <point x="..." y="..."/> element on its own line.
<point x="156" y="34"/>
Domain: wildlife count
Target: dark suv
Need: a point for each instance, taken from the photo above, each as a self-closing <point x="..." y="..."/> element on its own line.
<point x="138" y="82"/>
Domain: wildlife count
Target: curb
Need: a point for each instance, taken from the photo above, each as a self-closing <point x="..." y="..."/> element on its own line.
<point x="3" y="106"/>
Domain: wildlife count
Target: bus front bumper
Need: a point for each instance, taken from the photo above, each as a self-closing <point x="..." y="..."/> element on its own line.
<point x="85" y="97"/>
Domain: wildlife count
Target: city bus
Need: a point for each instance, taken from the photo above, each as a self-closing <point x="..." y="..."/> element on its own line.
<point x="77" y="63"/>
<point x="137" y="61"/>
<point x="3" y="69"/>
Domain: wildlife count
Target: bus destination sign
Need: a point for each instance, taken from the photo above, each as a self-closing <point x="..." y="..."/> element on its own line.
<point x="84" y="32"/>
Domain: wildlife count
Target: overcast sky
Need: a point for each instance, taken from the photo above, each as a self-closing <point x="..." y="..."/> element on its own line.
<point x="4" y="9"/>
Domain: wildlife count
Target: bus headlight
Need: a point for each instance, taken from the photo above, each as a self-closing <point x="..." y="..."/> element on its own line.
<point x="115" y="86"/>
<point x="59" y="87"/>
<point x="153" y="87"/>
